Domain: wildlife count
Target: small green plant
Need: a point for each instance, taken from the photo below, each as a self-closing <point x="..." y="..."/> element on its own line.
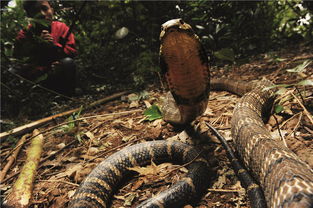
<point x="298" y="69"/>
<point x="273" y="57"/>
<point x="70" y="126"/>
<point x="153" y="113"/>
<point x="225" y="54"/>
<point x="301" y="67"/>
<point x="282" y="88"/>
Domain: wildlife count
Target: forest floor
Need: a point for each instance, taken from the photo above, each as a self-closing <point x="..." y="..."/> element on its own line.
<point x="120" y="123"/>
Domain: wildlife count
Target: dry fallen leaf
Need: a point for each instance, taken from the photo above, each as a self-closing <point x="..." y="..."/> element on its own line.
<point x="276" y="135"/>
<point x="90" y="135"/>
<point x="147" y="104"/>
<point x="60" y="146"/>
<point x="208" y="112"/>
<point x="129" y="199"/>
<point x="134" y="104"/>
<point x="128" y="138"/>
<point x="71" y="193"/>
<point x="137" y="184"/>
<point x="72" y="170"/>
<point x="93" y="151"/>
<point x="152" y="169"/>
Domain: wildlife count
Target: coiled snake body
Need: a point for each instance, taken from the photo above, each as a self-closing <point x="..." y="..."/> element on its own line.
<point x="100" y="184"/>
<point x="285" y="179"/>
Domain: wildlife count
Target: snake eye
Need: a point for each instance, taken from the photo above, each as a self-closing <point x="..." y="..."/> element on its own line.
<point x="181" y="21"/>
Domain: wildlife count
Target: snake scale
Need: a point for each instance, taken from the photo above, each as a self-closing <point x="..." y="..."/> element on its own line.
<point x="285" y="179"/>
<point x="98" y="187"/>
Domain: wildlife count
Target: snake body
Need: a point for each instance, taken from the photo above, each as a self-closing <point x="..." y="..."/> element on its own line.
<point x="285" y="179"/>
<point x="100" y="184"/>
<point x="181" y="56"/>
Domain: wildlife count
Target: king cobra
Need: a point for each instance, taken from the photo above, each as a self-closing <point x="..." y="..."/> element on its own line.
<point x="285" y="179"/>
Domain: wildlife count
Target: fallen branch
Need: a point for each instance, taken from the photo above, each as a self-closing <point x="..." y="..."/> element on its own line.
<point x="29" y="127"/>
<point x="43" y="160"/>
<point x="21" y="193"/>
<point x="226" y="190"/>
<point x="13" y="157"/>
<point x="61" y="124"/>
<point x="306" y="112"/>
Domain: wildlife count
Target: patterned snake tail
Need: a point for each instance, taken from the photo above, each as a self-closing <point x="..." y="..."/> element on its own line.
<point x="286" y="180"/>
<point x="184" y="64"/>
<point x="100" y="184"/>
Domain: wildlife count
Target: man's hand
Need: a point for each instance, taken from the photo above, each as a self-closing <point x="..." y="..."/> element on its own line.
<point x="46" y="36"/>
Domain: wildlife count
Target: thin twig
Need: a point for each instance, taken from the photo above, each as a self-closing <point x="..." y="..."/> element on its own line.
<point x="184" y="165"/>
<point x="307" y="113"/>
<point x="57" y="152"/>
<point x="13" y="157"/>
<point x="35" y="124"/>
<point x="297" y="125"/>
<point x="83" y="118"/>
<point x="289" y="119"/>
<point x="42" y="161"/>
<point x="226" y="190"/>
<point x="161" y="82"/>
<point x="59" y="181"/>
<point x="115" y="148"/>
<point x="300" y="95"/>
<point x="309" y="130"/>
<point x="18" y="145"/>
<point x="279" y="131"/>
<point x="44" y="88"/>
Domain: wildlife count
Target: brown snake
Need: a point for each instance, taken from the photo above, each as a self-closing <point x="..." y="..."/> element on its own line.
<point x="286" y="180"/>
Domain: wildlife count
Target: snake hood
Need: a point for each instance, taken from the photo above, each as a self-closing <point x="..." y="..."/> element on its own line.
<point x="184" y="65"/>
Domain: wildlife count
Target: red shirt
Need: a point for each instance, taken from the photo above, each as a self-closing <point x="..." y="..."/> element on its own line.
<point x="58" y="29"/>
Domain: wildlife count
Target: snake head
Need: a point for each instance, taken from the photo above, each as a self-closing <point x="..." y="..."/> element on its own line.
<point x="174" y="25"/>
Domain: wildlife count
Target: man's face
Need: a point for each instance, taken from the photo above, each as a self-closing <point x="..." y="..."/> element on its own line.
<point x="42" y="9"/>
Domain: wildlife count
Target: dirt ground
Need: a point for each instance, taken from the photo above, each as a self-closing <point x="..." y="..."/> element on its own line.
<point x="120" y="123"/>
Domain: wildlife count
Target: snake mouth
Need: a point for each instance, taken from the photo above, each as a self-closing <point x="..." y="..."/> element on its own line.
<point x="174" y="29"/>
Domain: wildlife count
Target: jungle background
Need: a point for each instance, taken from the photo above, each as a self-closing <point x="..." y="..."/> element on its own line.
<point x="118" y="44"/>
<point x="231" y="31"/>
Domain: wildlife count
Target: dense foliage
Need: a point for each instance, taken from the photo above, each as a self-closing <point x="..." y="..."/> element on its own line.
<point x="118" y="40"/>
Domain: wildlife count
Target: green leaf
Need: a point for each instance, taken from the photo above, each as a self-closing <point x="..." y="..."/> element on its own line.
<point x="281" y="91"/>
<point x="143" y="94"/>
<point x="71" y="119"/>
<point x="279" y="59"/>
<point x="8" y="52"/>
<point x="300" y="67"/>
<point x="278" y="108"/>
<point x="41" y="78"/>
<point x="275" y="86"/>
<point x="306" y="82"/>
<point x="78" y="137"/>
<point x="225" y="54"/>
<point x="153" y="113"/>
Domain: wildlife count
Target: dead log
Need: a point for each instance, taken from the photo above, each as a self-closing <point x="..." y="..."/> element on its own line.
<point x="21" y="193"/>
<point x="29" y="127"/>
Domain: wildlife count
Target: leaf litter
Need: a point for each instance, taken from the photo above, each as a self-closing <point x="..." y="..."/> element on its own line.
<point x="100" y="136"/>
